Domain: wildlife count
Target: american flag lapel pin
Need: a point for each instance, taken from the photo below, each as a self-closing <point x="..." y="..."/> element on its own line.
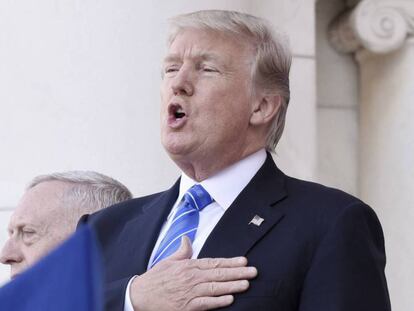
<point x="257" y="220"/>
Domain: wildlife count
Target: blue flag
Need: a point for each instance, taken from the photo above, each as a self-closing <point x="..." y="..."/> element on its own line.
<point x="68" y="279"/>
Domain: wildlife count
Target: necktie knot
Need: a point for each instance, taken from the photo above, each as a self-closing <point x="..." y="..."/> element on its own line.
<point x="198" y="197"/>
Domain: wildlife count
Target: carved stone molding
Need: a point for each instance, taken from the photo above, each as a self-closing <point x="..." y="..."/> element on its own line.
<point x="380" y="26"/>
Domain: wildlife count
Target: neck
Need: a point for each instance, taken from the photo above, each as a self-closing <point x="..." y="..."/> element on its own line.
<point x="201" y="168"/>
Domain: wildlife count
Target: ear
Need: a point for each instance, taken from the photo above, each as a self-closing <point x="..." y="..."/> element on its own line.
<point x="265" y="109"/>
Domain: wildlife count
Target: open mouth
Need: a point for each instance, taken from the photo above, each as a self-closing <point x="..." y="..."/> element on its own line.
<point x="177" y="116"/>
<point x="176" y="111"/>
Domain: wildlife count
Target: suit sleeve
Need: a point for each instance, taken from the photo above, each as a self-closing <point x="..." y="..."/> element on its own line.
<point x="347" y="270"/>
<point x="115" y="294"/>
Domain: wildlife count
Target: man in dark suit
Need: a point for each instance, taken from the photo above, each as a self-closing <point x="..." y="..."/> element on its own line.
<point x="224" y="96"/>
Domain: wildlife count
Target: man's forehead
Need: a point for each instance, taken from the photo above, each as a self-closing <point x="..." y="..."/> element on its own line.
<point x="208" y="45"/>
<point x="27" y="215"/>
<point x="44" y="192"/>
<point x="38" y="201"/>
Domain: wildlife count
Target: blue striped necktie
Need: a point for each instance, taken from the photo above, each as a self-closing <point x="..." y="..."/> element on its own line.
<point x="185" y="222"/>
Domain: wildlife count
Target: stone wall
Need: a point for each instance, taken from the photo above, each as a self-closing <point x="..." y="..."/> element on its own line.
<point x="380" y="35"/>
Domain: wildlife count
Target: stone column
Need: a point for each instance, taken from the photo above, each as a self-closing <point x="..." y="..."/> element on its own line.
<point x="380" y="33"/>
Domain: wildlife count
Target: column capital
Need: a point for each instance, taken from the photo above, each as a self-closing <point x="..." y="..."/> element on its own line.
<point x="379" y="26"/>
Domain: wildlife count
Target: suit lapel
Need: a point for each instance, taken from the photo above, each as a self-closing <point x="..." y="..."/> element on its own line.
<point x="233" y="235"/>
<point x="140" y="234"/>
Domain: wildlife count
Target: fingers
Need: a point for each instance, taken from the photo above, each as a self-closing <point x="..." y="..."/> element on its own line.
<point x="184" y="251"/>
<point x="199" y="284"/>
<point x="220" y="288"/>
<point x="209" y="303"/>
<point x="219" y="269"/>
<point x="212" y="263"/>
<point x="228" y="274"/>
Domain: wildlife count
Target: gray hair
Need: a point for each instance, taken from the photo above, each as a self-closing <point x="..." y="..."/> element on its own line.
<point x="88" y="191"/>
<point x="271" y="66"/>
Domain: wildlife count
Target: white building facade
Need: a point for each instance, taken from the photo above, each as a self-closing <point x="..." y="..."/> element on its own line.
<point x="79" y="90"/>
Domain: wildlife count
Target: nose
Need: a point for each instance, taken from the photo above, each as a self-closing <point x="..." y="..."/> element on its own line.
<point x="10" y="254"/>
<point x="182" y="83"/>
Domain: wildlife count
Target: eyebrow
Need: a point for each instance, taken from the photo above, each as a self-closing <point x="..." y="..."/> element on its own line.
<point x="199" y="56"/>
<point x="20" y="226"/>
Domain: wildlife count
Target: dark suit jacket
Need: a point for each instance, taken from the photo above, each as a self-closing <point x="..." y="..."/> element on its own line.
<point x="317" y="249"/>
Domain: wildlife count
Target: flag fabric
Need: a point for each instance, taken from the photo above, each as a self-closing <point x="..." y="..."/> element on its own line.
<point x="68" y="279"/>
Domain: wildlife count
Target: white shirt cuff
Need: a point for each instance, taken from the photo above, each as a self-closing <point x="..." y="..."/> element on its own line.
<point x="127" y="302"/>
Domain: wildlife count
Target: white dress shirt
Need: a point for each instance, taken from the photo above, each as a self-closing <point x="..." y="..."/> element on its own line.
<point x="224" y="187"/>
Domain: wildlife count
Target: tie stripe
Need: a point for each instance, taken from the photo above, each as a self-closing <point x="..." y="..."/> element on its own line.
<point x="168" y="246"/>
<point x="194" y="200"/>
<point x="185" y="222"/>
<point x="182" y="215"/>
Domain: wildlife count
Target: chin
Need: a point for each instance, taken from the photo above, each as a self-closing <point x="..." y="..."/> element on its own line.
<point x="13" y="275"/>
<point x="174" y="144"/>
<point x="174" y="149"/>
<point x="176" y="152"/>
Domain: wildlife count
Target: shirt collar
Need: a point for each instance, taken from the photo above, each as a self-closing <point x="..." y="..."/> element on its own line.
<point x="225" y="186"/>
